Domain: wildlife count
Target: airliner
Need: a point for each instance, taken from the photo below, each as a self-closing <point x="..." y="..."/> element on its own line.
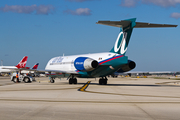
<point x="25" y="69"/>
<point x="99" y="65"/>
<point x="8" y="69"/>
<point x="34" y="67"/>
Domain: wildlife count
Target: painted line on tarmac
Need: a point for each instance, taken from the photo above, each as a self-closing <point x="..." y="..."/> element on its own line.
<point x="46" y="89"/>
<point x="132" y="94"/>
<point x="84" y="87"/>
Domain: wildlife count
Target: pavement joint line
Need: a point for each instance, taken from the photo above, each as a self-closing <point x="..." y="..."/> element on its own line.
<point x="81" y="101"/>
<point x="6" y="84"/>
<point x="37" y="89"/>
<point x="131" y="94"/>
<point x="170" y="83"/>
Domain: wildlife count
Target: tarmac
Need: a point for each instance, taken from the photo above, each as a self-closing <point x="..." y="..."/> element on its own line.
<point x="122" y="99"/>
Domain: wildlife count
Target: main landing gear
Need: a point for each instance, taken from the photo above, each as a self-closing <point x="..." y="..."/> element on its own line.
<point x="103" y="81"/>
<point x="72" y="80"/>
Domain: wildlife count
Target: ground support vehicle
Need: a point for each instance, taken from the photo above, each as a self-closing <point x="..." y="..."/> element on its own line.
<point x="22" y="77"/>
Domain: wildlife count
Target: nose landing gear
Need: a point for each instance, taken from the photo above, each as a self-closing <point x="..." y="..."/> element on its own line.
<point x="52" y="80"/>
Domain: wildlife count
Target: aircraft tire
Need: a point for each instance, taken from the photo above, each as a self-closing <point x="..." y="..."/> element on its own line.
<point x="104" y="81"/>
<point x="52" y="81"/>
<point x="75" y="81"/>
<point x="70" y="81"/>
<point x="100" y="81"/>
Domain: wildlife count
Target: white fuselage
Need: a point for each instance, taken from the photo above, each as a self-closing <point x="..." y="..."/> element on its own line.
<point x="66" y="63"/>
<point x="7" y="70"/>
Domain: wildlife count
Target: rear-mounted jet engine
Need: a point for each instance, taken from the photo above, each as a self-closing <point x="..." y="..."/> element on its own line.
<point x="85" y="64"/>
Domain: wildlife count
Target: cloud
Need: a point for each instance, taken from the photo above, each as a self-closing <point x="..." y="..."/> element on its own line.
<point x="79" y="11"/>
<point x="175" y="15"/>
<point x="129" y="3"/>
<point x="78" y="0"/>
<point x="162" y="3"/>
<point x="41" y="9"/>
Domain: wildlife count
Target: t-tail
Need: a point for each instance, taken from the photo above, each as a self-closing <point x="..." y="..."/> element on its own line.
<point x="126" y="28"/>
<point x="22" y="63"/>
<point x="35" y="66"/>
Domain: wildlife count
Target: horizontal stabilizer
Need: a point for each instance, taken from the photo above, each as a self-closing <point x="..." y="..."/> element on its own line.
<point x="115" y="23"/>
<point x="149" y="25"/>
<point x="126" y="23"/>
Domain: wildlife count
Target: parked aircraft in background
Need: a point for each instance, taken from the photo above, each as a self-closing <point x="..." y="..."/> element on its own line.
<point x="99" y="64"/>
<point x="25" y="70"/>
<point x="34" y="67"/>
<point x="8" y="69"/>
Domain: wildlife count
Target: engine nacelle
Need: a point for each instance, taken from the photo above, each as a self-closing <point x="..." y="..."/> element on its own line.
<point x="85" y="64"/>
<point x="127" y="67"/>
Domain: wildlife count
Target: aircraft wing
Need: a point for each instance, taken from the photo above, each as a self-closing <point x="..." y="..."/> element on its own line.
<point x="8" y="67"/>
<point x="15" y="69"/>
<point x="54" y="71"/>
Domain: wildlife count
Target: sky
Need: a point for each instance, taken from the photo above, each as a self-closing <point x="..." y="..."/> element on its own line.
<point x="42" y="29"/>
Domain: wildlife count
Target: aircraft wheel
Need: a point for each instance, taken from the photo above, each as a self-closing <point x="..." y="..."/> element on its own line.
<point x="104" y="81"/>
<point x="75" y="81"/>
<point x="52" y="81"/>
<point x="100" y="82"/>
<point x="70" y="81"/>
<point x="26" y="80"/>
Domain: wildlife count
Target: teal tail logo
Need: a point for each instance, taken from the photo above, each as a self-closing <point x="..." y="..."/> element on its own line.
<point x="122" y="41"/>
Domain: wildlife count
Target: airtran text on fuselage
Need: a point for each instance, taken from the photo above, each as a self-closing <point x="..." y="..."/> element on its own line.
<point x="57" y="60"/>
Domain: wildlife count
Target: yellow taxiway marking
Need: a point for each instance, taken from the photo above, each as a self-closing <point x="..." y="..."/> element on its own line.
<point x="83" y="88"/>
